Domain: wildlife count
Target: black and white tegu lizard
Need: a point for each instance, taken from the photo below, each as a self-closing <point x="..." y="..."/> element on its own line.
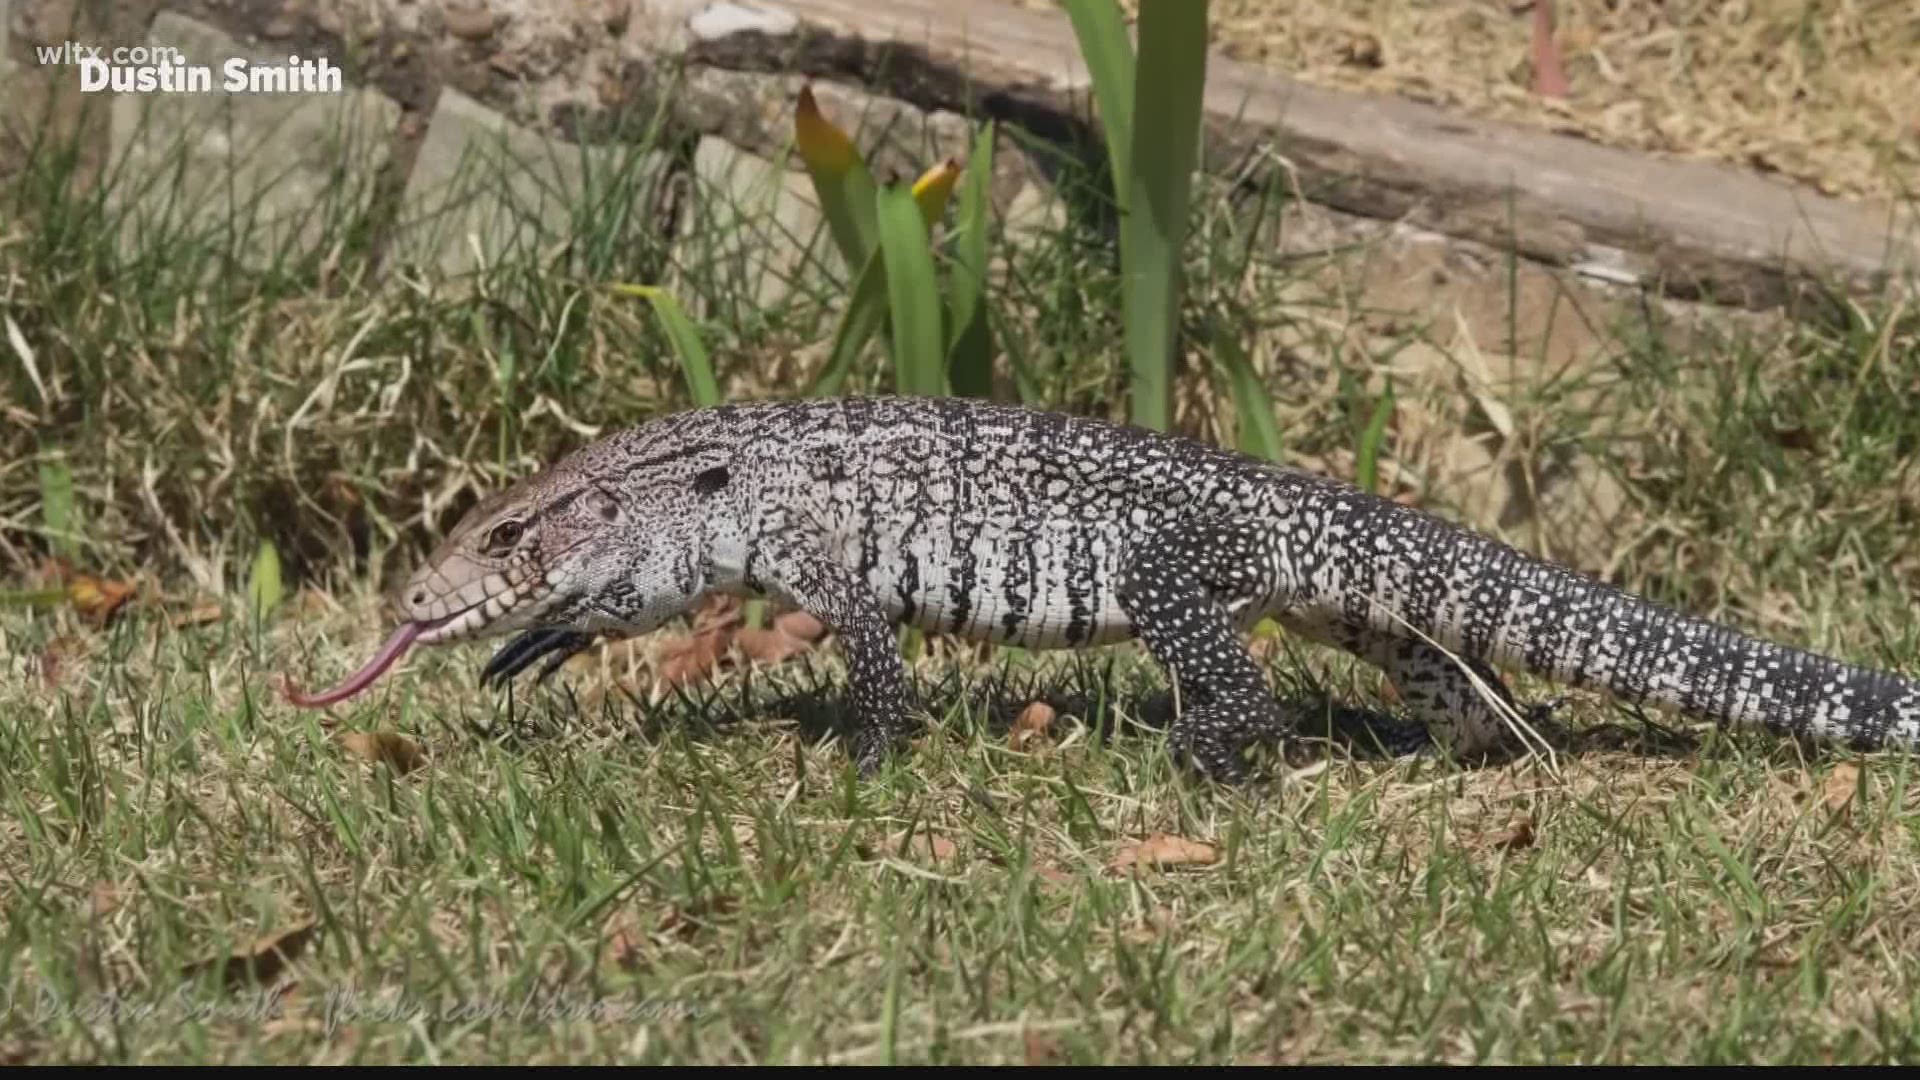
<point x="1043" y="530"/>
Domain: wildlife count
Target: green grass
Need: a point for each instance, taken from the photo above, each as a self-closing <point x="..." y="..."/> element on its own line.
<point x="703" y="871"/>
<point x="705" y="874"/>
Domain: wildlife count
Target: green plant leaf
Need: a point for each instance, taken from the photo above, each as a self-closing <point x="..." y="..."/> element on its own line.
<point x="1168" y="83"/>
<point x="913" y="294"/>
<point x="56" y="509"/>
<point x="864" y="315"/>
<point x="1259" y="432"/>
<point x="263" y="582"/>
<point x="1367" y="457"/>
<point x="685" y="340"/>
<point x="970" y="353"/>
<point x="841" y="180"/>
<point x="32" y="597"/>
<point x="1108" y="53"/>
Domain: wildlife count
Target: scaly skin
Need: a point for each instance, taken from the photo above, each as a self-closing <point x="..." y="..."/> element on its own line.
<point x="1037" y="529"/>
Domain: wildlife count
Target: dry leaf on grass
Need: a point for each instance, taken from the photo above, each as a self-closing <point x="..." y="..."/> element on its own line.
<point x="1034" y="722"/>
<point x="924" y="843"/>
<point x="1517" y="835"/>
<point x="800" y="625"/>
<point x="207" y="611"/>
<point x="718" y="627"/>
<point x="1161" y="851"/>
<point x="97" y="599"/>
<point x="690" y="659"/>
<point x="263" y="963"/>
<point x="1842" y="784"/>
<point x="770" y="646"/>
<point x="400" y="753"/>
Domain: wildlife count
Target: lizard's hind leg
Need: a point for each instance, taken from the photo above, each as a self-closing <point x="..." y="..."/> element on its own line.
<point x="1433" y="687"/>
<point x="1185" y="592"/>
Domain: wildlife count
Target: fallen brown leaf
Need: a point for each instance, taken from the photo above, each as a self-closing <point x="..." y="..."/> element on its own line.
<point x="801" y="625"/>
<point x="924" y="843"/>
<point x="207" y="611"/>
<point x="263" y="963"/>
<point x="718" y="610"/>
<point x="1842" y="784"/>
<point x="1034" y="722"/>
<point x="1161" y="851"/>
<point x="97" y="599"/>
<point x="398" y="752"/>
<point x="770" y="646"/>
<point x="1517" y="835"/>
<point x="105" y="899"/>
<point x="687" y="659"/>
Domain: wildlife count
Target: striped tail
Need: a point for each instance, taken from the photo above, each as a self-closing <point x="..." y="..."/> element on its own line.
<point x="1486" y="600"/>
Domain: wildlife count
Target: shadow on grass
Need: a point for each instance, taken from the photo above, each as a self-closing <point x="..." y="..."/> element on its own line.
<point x="1108" y="697"/>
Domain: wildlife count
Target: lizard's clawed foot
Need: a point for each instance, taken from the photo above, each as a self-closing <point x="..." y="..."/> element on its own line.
<point x="1211" y="739"/>
<point x="516" y="656"/>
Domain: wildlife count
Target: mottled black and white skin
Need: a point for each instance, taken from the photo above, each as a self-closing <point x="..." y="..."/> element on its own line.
<point x="1042" y="530"/>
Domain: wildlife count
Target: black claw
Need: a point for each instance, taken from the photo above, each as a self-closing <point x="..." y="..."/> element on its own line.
<point x="516" y="656"/>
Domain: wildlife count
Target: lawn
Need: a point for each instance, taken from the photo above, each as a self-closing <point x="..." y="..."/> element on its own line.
<point x="609" y="868"/>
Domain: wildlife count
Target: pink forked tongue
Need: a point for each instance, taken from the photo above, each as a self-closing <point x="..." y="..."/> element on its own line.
<point x="390" y="650"/>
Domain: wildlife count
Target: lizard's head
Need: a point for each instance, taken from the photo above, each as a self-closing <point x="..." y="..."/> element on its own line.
<point x="576" y="547"/>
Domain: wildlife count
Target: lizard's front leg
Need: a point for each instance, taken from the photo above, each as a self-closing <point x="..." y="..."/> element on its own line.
<point x="1180" y="591"/>
<point x="799" y="571"/>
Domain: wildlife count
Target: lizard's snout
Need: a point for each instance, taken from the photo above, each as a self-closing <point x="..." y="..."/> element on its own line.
<point x="458" y="598"/>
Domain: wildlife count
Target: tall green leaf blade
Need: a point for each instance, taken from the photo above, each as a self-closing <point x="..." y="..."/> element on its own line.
<point x="913" y="295"/>
<point x="1367" y="457"/>
<point x="865" y="314"/>
<point x="1108" y="54"/>
<point x="1168" y="86"/>
<point x="264" y="588"/>
<point x="685" y="340"/>
<point x="1259" y="432"/>
<point x="970" y="353"/>
<point x="841" y="180"/>
<point x="56" y="509"/>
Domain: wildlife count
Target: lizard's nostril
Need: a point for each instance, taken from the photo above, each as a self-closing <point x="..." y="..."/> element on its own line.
<point x="419" y="596"/>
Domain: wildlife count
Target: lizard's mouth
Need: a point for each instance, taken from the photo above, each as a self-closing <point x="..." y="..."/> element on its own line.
<point x="447" y="628"/>
<point x="467" y="622"/>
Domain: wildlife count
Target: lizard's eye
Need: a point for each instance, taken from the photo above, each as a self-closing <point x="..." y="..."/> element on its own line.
<point x="504" y="536"/>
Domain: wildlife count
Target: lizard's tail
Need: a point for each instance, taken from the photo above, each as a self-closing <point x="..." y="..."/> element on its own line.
<point x="1487" y="600"/>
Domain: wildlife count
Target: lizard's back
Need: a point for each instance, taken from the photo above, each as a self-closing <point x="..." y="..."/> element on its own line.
<point x="996" y="522"/>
